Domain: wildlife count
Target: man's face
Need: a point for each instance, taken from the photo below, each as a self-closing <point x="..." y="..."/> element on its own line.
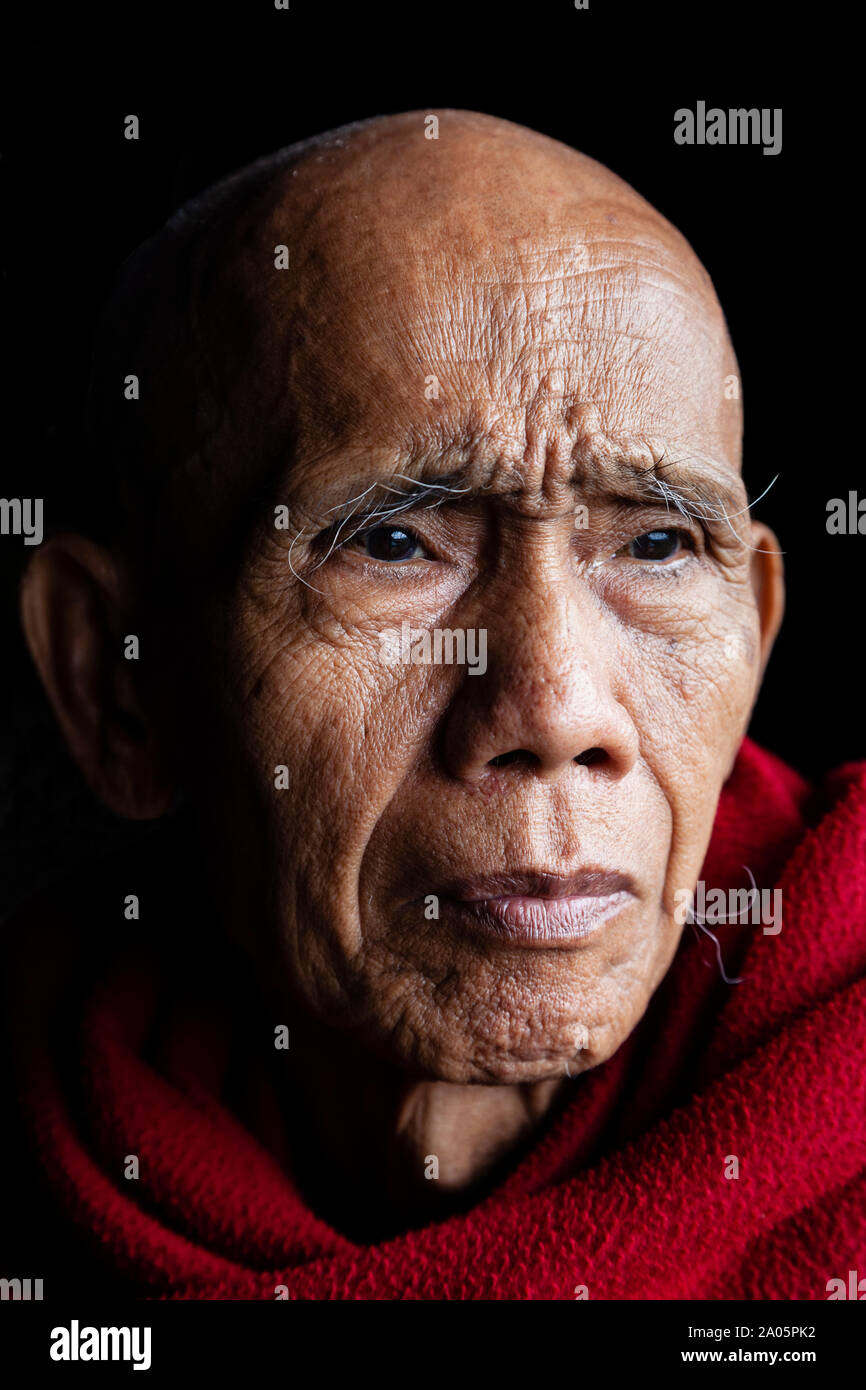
<point x="544" y="376"/>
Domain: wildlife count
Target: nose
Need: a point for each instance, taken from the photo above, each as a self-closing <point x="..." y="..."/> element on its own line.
<point x="546" y="700"/>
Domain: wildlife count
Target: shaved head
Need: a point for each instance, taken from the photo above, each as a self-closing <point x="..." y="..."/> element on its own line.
<point x="244" y="366"/>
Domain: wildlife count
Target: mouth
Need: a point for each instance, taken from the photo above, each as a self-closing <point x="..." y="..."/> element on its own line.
<point x="539" y="909"/>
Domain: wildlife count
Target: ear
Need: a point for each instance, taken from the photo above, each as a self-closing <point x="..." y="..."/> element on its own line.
<point x="74" y="602"/>
<point x="768" y="584"/>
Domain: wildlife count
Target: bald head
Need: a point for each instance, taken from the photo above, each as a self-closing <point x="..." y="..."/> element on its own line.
<point x="307" y="304"/>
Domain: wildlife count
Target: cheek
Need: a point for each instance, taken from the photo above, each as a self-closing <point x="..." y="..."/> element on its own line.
<point x="692" y="712"/>
<point x="319" y="733"/>
<point x="690" y="673"/>
<point x="710" y="688"/>
<point x="322" y="704"/>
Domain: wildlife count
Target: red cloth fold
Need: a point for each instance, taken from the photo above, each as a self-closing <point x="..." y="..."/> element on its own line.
<point x="624" y="1192"/>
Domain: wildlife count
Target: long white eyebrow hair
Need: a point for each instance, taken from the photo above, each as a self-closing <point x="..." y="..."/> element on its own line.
<point x="415" y="493"/>
<point x="703" y="509"/>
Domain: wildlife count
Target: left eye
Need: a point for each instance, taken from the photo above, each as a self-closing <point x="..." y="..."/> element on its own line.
<point x="654" y="545"/>
<point x="390" y="543"/>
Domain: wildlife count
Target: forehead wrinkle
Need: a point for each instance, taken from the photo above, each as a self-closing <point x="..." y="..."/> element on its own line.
<point x="505" y="328"/>
<point x="402" y="276"/>
<point x="468" y="338"/>
<point x="579" y="291"/>
<point x="538" y="260"/>
<point x="598" y="469"/>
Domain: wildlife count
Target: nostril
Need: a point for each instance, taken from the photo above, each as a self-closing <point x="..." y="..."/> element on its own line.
<point x="516" y="755"/>
<point x="591" y="757"/>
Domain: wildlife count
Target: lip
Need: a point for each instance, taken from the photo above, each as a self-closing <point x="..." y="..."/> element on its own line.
<point x="541" y="909"/>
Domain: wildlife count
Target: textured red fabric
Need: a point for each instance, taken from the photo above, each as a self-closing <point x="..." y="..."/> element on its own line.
<point x="625" y="1191"/>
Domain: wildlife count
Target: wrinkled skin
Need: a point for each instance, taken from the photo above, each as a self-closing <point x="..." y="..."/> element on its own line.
<point x="575" y="339"/>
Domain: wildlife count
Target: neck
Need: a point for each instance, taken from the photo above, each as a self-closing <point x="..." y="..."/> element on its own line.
<point x="378" y="1151"/>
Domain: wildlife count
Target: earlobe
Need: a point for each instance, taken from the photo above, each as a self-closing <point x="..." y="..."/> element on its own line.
<point x="768" y="583"/>
<point x="73" y="603"/>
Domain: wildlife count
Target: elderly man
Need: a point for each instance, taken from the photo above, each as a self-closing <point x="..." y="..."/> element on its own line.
<point x="413" y="1013"/>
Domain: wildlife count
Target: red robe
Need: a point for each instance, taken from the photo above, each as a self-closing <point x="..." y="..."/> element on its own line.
<point x="629" y="1191"/>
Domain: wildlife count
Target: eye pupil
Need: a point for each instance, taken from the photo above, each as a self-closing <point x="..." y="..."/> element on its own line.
<point x="390" y="543"/>
<point x="655" y="545"/>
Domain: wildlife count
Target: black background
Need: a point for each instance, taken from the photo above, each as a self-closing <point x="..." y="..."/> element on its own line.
<point x="213" y="89"/>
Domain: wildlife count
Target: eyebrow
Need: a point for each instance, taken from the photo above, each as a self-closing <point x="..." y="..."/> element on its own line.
<point x="697" y="492"/>
<point x="411" y="494"/>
